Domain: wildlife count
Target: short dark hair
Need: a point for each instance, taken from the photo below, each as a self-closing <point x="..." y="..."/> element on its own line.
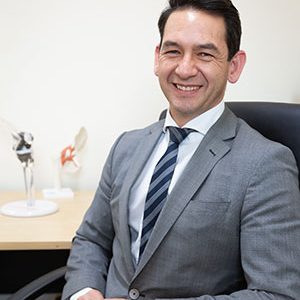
<point x="222" y="8"/>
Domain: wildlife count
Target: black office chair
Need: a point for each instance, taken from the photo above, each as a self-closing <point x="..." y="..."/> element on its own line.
<point x="277" y="121"/>
<point x="54" y="279"/>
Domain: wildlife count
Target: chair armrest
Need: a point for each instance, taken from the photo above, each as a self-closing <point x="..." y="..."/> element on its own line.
<point x="39" y="285"/>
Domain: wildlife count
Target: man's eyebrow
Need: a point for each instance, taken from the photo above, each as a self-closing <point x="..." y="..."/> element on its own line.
<point x="207" y="46"/>
<point x="168" y="44"/>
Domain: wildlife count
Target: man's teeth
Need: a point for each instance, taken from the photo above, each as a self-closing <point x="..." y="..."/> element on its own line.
<point x="187" y="88"/>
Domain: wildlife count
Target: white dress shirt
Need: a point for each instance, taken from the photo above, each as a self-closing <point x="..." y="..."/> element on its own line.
<point x="186" y="149"/>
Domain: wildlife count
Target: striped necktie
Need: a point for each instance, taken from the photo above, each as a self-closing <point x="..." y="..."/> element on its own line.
<point x="160" y="181"/>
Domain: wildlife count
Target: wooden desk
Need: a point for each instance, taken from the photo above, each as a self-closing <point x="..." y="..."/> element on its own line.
<point x="47" y="232"/>
<point x="31" y="247"/>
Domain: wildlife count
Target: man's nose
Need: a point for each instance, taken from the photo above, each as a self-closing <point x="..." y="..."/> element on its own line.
<point x="186" y="67"/>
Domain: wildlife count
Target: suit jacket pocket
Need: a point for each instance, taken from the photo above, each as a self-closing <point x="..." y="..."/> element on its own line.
<point x="198" y="208"/>
<point x="212" y="208"/>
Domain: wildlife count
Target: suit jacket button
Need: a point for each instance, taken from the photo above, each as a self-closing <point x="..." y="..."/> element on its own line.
<point x="134" y="294"/>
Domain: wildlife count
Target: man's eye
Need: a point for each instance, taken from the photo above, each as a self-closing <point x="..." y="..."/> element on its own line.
<point x="205" y="56"/>
<point x="172" y="52"/>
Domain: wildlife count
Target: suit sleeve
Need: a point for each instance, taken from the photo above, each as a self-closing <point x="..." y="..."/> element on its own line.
<point x="270" y="230"/>
<point x="92" y="246"/>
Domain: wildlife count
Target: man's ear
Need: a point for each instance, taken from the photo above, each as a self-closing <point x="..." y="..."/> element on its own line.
<point x="237" y="64"/>
<point x="156" y="60"/>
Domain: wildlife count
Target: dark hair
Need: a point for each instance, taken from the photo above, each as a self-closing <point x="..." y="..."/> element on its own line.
<point x="222" y="8"/>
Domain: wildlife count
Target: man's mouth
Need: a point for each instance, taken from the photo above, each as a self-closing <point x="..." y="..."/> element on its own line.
<point x="187" y="88"/>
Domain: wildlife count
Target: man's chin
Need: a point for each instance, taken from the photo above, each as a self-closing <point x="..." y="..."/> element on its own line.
<point x="183" y="115"/>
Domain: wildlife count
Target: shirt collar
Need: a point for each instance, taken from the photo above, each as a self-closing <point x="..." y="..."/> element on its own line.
<point x="201" y="123"/>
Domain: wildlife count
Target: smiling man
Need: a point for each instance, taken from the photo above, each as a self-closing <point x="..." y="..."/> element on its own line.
<point x="193" y="63"/>
<point x="198" y="205"/>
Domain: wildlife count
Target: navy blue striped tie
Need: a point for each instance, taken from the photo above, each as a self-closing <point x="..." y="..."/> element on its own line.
<point x="159" y="184"/>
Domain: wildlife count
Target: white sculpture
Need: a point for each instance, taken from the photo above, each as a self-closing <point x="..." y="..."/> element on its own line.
<point x="29" y="207"/>
<point x="23" y="149"/>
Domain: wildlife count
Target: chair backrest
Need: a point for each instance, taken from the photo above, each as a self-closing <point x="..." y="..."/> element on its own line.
<point x="279" y="122"/>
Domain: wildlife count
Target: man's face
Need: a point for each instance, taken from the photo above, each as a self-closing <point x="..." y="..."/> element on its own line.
<point x="192" y="64"/>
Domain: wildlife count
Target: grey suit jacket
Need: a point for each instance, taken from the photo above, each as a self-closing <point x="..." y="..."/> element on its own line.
<point x="230" y="228"/>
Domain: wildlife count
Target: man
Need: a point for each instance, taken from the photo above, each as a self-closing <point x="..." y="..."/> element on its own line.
<point x="229" y="227"/>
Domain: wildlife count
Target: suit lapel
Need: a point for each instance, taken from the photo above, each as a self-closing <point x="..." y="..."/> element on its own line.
<point x="212" y="148"/>
<point x="139" y="159"/>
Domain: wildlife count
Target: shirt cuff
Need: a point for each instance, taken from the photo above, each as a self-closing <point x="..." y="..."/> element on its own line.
<point x="80" y="293"/>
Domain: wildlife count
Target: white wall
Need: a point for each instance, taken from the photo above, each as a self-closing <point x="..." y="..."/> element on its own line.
<point x="68" y="63"/>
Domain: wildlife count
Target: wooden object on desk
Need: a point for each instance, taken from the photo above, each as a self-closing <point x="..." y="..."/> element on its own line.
<point x="50" y="232"/>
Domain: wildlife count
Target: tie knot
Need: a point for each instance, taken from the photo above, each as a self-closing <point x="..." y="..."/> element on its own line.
<point x="177" y="135"/>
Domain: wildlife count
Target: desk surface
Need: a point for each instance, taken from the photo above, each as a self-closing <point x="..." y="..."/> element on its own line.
<point x="43" y="233"/>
